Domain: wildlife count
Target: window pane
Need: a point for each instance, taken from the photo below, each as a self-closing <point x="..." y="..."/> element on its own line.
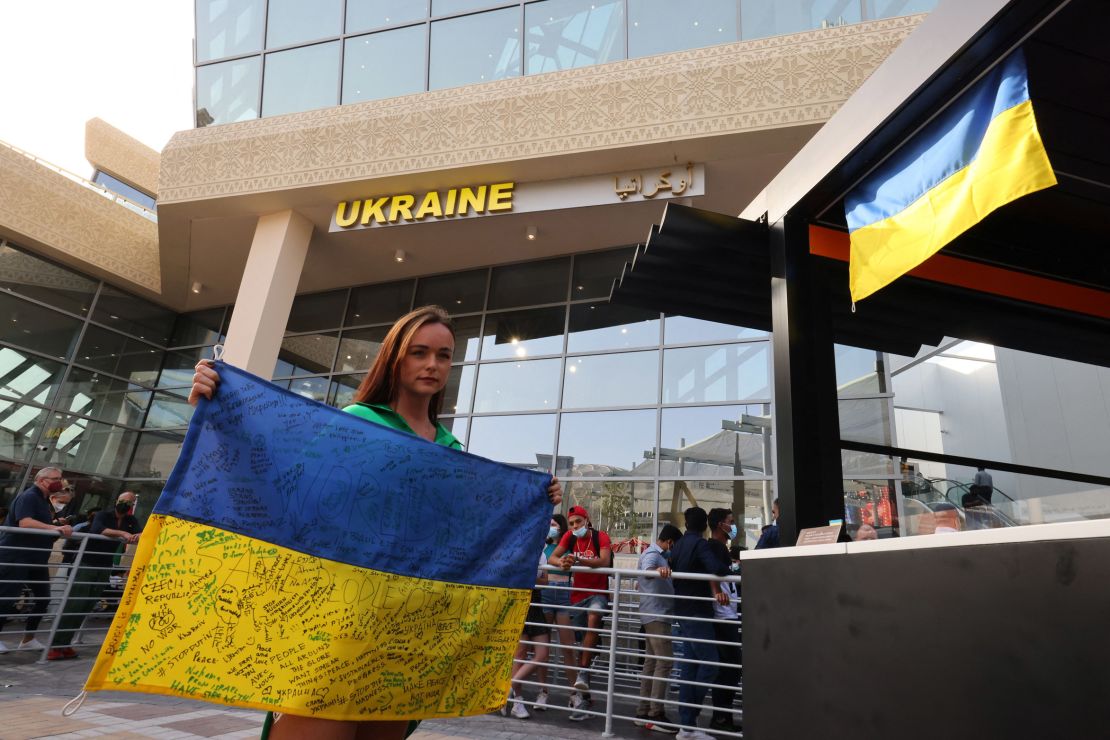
<point x="716" y="440"/>
<point x="228" y="92"/>
<point x="563" y="34"/>
<point x="385" y="64"/>
<point x="626" y="379"/>
<point x="308" y="354"/>
<point x="734" y="372"/>
<point x="301" y="79"/>
<point x="156" y="454"/>
<point x="169" y="410"/>
<point x="475" y="48"/>
<point x="468" y="334"/>
<point x="529" y="283"/>
<point x="178" y="368"/>
<point x="458" y="393"/>
<point x="11" y="480"/>
<point x="595" y="326"/>
<point x="103" y="398"/>
<point x="379" y="304"/>
<point x="524" y="333"/>
<point x="228" y="27"/>
<point x="892" y="8"/>
<point x="517" y="440"/>
<point x="358" y="348"/>
<point x="684" y="330"/>
<point x="116" y="354"/>
<point x="121" y="188"/>
<point x="461" y="292"/>
<point x="362" y="15"/>
<point x="19" y="428"/>
<point x="457" y="426"/>
<point x="607" y="443"/>
<point x="313" y="388"/>
<point x="745" y="499"/>
<point x="793" y="16"/>
<point x="865" y="464"/>
<point x="88" y="445"/>
<point x="517" y="386"/>
<point x="27" y="275"/>
<point x="594" y="273"/>
<point x="26" y="378"/>
<point x="857" y="370"/>
<point x="42" y="330"/>
<point x="316" y="311"/>
<point x="198" y="327"/>
<point x="343" y="389"/>
<point x="450" y="7"/>
<point x="623" y="510"/>
<point x="130" y="315"/>
<point x="661" y="26"/>
<point x="294" y="21"/>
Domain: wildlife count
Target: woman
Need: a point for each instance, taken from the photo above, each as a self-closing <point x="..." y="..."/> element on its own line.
<point x="535" y="637"/>
<point x="403" y="390"/>
<point x="556" y="599"/>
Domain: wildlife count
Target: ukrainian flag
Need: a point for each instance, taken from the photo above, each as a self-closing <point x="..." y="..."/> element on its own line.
<point x="307" y="561"/>
<point x="978" y="155"/>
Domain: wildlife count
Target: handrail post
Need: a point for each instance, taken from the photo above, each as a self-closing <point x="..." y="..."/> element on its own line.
<point x="65" y="595"/>
<point x="612" y="656"/>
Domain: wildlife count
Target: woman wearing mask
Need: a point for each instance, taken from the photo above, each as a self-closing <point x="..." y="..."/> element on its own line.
<point x="403" y="390"/>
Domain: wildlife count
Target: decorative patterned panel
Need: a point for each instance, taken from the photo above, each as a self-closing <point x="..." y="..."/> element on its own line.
<point x="121" y="156"/>
<point x="745" y="86"/>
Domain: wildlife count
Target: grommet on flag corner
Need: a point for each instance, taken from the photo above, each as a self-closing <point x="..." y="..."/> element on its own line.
<point x="853" y="306"/>
<point x="218" y="352"/>
<point x="74" y="704"/>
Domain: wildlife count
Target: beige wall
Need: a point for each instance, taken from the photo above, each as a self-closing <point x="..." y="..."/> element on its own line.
<point x="121" y="156"/>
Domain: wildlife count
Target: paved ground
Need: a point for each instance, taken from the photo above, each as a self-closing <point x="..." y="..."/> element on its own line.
<point x="32" y="695"/>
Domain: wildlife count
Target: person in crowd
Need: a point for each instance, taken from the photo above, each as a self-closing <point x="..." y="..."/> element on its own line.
<point x="865" y="532"/>
<point x="982" y="487"/>
<point x="534" y="638"/>
<point x="692" y="554"/>
<point x="89" y="516"/>
<point x="587" y="547"/>
<point x="96" y="565"/>
<point x="656" y="610"/>
<point x="30" y="510"/>
<point x="61" y="504"/>
<point x="556" y="602"/>
<point x="722" y="531"/>
<point x="403" y="390"/>
<point x="769" y="536"/>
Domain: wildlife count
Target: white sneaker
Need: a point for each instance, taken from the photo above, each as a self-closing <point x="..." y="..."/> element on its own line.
<point x="519" y="711"/>
<point x="693" y="735"/>
<point x="541" y="702"/>
<point x="577" y="703"/>
<point x="505" y="707"/>
<point x="32" y="644"/>
<point x="3" y="648"/>
<point x="580" y="683"/>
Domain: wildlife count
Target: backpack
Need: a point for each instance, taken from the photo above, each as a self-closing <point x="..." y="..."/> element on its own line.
<point x="596" y="542"/>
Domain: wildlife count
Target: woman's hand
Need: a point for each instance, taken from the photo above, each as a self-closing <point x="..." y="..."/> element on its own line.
<point x="205" y="380"/>
<point x="554" y="491"/>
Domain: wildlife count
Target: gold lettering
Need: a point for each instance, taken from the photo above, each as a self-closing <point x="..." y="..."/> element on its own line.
<point x="450" y="209"/>
<point x="501" y="197"/>
<point x="374" y="210"/>
<point x="429" y="206"/>
<point x="401" y="204"/>
<point x="469" y="199"/>
<point x="350" y="218"/>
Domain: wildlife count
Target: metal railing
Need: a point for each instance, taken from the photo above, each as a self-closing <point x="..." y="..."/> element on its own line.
<point x="620" y="652"/>
<point x="59" y="580"/>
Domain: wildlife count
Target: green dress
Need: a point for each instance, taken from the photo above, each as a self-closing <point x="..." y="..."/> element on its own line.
<point x="381" y="413"/>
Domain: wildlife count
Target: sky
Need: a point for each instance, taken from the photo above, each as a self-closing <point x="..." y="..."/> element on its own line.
<point x="128" y="62"/>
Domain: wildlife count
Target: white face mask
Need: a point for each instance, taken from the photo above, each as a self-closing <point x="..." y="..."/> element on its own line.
<point x="58" y="507"/>
<point x="580" y="532"/>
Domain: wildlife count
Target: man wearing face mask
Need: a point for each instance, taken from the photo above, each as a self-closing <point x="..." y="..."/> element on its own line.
<point x="30" y="510"/>
<point x="118" y="523"/>
<point x="722" y="526"/>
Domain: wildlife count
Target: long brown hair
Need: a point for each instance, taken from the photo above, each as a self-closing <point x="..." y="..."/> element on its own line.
<point x="381" y="383"/>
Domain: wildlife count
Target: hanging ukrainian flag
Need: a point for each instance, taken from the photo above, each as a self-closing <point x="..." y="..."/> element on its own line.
<point x="304" y="560"/>
<point x="978" y="155"/>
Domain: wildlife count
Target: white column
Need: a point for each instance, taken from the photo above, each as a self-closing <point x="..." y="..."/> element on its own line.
<point x="266" y="292"/>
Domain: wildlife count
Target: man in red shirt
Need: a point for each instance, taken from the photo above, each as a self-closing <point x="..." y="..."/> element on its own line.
<point x="584" y="546"/>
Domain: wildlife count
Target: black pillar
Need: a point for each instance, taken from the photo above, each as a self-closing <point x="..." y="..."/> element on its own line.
<point x="807" y="427"/>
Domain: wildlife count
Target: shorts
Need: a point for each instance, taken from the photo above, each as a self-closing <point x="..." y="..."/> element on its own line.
<point x="555" y="600"/>
<point x="588" y="605"/>
<point x="539" y="626"/>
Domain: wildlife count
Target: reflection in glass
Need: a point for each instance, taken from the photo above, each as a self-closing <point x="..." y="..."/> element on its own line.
<point x="607" y="443"/>
<point x="749" y="502"/>
<point x="893" y="8"/>
<point x="732" y="372"/>
<point x="314" y="388"/>
<point x="305" y="78"/>
<point x="362" y="15"/>
<point x="156" y="454"/>
<point x="759" y="20"/>
<point x="27" y="275"/>
<point x="594" y="274"/>
<point x="228" y="92"/>
<point x="450" y="7"/>
<point x="622" y="509"/>
<point x="865" y="464"/>
<point x="169" y="410"/>
<point x="459" y="390"/>
<point x="124" y="312"/>
<point x="198" y="327"/>
<point x="529" y="284"/>
<point x="358" y="348"/>
<point x="121" y="188"/>
<point x="307" y="354"/>
<point x="684" y="330"/>
<point x="343" y="389"/>
<point x="19" y="428"/>
<point x="517" y="440"/>
<point x="538" y="331"/>
<point x="517" y="386"/>
<point x="564" y="34"/>
<point x="87" y="446"/>
<point x="625" y="379"/>
<point x="598" y="326"/>
<point x="458" y="426"/>
<point x="716" y="440"/>
<point x="475" y="48"/>
<point x="294" y="21"/>
<point x="661" y="26"/>
<point x="857" y="370"/>
<point x="36" y="328"/>
<point x="26" y="378"/>
<point x="866" y="420"/>
<point x="178" y="368"/>
<point x="384" y="64"/>
<point x="106" y="399"/>
<point x="468" y="334"/>
<point x="119" y="355"/>
<point x="379" y="304"/>
<point x="227" y="28"/>
<point x="460" y="292"/>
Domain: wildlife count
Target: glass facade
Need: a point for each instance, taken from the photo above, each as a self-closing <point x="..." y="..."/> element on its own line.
<point x="267" y="57"/>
